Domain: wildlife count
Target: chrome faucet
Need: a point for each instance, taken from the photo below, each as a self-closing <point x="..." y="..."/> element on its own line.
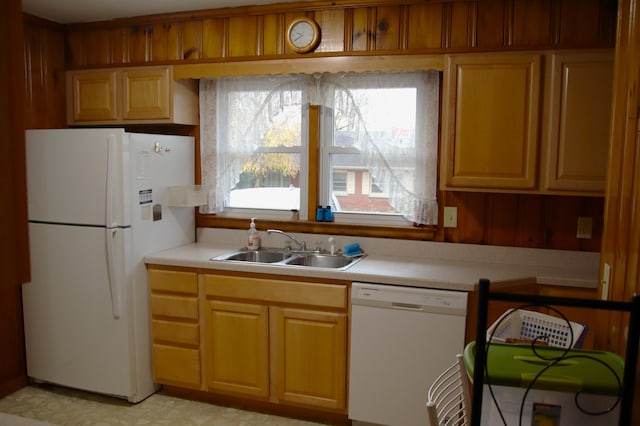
<point x="302" y="245"/>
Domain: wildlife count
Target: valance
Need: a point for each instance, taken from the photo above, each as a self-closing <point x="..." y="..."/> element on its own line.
<point x="310" y="65"/>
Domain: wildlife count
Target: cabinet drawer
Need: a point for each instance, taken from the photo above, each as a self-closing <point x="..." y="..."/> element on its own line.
<point x="172" y="365"/>
<point x="174" y="306"/>
<point x="175" y="332"/>
<point x="305" y="293"/>
<point x="173" y="281"/>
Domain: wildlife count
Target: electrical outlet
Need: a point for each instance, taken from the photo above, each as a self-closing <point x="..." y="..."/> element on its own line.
<point x="585" y="227"/>
<point x="450" y="217"/>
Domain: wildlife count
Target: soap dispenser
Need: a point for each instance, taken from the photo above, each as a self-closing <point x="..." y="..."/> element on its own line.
<point x="253" y="240"/>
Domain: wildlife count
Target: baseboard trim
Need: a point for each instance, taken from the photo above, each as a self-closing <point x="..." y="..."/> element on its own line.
<point x="12" y="385"/>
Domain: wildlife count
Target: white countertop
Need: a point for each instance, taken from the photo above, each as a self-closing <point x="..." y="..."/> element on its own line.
<point x="399" y="262"/>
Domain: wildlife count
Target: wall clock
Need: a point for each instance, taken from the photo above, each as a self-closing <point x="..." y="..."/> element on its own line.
<point x="303" y="35"/>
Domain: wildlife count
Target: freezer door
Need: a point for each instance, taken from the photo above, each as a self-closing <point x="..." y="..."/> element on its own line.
<point x="77" y="176"/>
<point x="159" y="162"/>
<point x="72" y="336"/>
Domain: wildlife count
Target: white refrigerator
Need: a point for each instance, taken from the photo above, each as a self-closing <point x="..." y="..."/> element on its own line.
<point x="98" y="203"/>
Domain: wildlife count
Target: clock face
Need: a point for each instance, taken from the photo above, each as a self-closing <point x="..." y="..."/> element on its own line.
<point x="303" y="35"/>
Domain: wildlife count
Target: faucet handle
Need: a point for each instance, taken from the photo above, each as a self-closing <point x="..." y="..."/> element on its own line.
<point x="332" y="245"/>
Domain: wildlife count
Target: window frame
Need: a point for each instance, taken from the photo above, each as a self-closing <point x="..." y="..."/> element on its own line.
<point x="302" y="150"/>
<point x="327" y="148"/>
<point x="367" y="63"/>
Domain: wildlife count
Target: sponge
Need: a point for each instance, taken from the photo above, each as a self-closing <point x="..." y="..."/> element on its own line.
<point x="352" y="249"/>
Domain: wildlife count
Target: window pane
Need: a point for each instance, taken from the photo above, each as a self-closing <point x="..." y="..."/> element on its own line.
<point x="268" y="181"/>
<point x="379" y="127"/>
<point x="339" y="181"/>
<point x="262" y="127"/>
<point x="265" y="118"/>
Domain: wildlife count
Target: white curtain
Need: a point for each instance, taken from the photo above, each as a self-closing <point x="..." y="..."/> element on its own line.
<point x="211" y="170"/>
<point x="228" y="139"/>
<point x="413" y="198"/>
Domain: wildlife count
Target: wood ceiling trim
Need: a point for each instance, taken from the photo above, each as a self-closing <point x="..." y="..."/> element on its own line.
<point x="310" y="66"/>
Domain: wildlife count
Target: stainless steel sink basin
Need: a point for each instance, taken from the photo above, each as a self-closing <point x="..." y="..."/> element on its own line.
<point x="321" y="260"/>
<point x="259" y="256"/>
<point x="284" y="257"/>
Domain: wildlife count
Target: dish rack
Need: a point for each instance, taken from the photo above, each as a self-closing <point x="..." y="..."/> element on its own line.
<point x="523" y="325"/>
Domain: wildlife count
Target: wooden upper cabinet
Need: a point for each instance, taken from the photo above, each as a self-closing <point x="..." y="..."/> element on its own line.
<point x="576" y="125"/>
<point x="146" y="94"/>
<point x="490" y="121"/>
<point x="92" y="96"/>
<point x="136" y="95"/>
<point x="499" y="134"/>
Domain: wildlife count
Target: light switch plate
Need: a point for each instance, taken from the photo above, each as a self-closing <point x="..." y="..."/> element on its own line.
<point x="585" y="227"/>
<point x="450" y="217"/>
<point x="606" y="276"/>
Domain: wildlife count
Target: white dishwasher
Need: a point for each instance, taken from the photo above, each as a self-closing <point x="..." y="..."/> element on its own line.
<point x="402" y="338"/>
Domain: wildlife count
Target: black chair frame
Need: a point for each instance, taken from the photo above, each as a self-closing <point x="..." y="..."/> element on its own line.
<point x="631" y="353"/>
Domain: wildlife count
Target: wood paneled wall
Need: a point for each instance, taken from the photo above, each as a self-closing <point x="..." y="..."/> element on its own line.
<point x="44" y="70"/>
<point x="348" y="27"/>
<point x="355" y="27"/>
<point x="14" y="254"/>
<point x="534" y="221"/>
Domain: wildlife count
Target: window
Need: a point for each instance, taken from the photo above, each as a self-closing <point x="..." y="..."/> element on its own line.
<point x="339" y="182"/>
<point x="378" y="145"/>
<point x="260" y="143"/>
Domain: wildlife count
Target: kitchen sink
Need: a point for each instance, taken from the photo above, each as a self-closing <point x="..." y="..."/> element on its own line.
<point x="260" y="256"/>
<point x="320" y="260"/>
<point x="264" y="255"/>
<point x="287" y="257"/>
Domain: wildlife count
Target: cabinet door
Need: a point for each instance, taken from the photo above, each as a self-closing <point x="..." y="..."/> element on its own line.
<point x="92" y="96"/>
<point x="310" y="357"/>
<point x="146" y="93"/>
<point x="237" y="348"/>
<point x="490" y="122"/>
<point x="576" y="133"/>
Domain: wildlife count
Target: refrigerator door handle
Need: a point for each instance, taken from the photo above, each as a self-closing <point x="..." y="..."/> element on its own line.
<point x="112" y="181"/>
<point x="115" y="272"/>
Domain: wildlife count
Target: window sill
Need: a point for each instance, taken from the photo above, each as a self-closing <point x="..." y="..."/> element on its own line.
<point x="424" y="233"/>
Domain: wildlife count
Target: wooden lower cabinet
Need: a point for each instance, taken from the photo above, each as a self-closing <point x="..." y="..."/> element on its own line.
<point x="237" y="348"/>
<point x="252" y="338"/>
<point x="310" y="357"/>
<point x="175" y="328"/>
<point x="262" y="342"/>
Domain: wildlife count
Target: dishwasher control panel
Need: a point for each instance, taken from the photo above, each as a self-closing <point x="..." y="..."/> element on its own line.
<point x="410" y="298"/>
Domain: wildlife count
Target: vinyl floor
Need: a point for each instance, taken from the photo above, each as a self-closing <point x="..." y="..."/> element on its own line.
<point x="62" y="406"/>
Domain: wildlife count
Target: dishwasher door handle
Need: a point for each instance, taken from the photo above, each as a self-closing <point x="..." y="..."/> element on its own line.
<point x="407" y="306"/>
